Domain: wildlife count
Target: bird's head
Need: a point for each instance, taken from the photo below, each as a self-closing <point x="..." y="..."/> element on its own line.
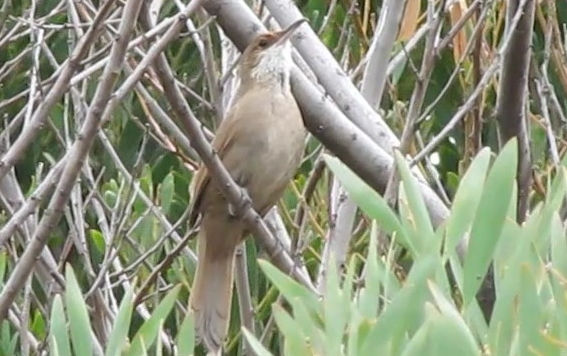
<point x="267" y="59"/>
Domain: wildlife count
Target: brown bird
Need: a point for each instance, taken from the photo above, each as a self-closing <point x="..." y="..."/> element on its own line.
<point x="260" y="142"/>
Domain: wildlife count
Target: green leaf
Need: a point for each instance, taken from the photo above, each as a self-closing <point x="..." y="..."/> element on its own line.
<point x="294" y="340"/>
<point x="289" y="287"/>
<point x="186" y="336"/>
<point x="539" y="230"/>
<point x="119" y="334"/>
<point x="473" y="313"/>
<point x="147" y="185"/>
<point x="404" y="309"/>
<point x="368" y="302"/>
<point x="78" y="316"/>
<point x="308" y="322"/>
<point x="129" y="143"/>
<point x="368" y="200"/>
<point x="558" y="247"/>
<point x="336" y="310"/>
<point x="166" y="193"/>
<point x="110" y="198"/>
<point x="440" y="335"/>
<point x="530" y="312"/>
<point x="521" y="290"/>
<point x="419" y="214"/>
<point x="354" y="339"/>
<point x="489" y="219"/>
<point x="59" y="337"/>
<point x="557" y="191"/>
<point x="398" y="71"/>
<point x="159" y="351"/>
<point x="466" y="200"/>
<point x="148" y="332"/>
<point x="447" y="308"/>
<point x="558" y="276"/>
<point x="2" y="266"/>
<point x="38" y="324"/>
<point x="502" y="326"/>
<point x="54" y="349"/>
<point x="256" y="345"/>
<point x="98" y="240"/>
<point x="418" y="344"/>
<point x="8" y="341"/>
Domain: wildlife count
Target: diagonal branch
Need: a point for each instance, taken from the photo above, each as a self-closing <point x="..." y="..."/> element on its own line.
<point x="37" y="120"/>
<point x="77" y="155"/>
<point x="373" y="83"/>
<point x="322" y="117"/>
<point x="219" y="174"/>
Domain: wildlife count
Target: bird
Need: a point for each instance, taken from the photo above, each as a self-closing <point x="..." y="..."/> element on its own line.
<point x="260" y="141"/>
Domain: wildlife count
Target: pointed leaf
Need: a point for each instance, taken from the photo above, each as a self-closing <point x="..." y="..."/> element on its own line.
<point x="368" y="302"/>
<point x="489" y="219"/>
<point x="336" y="310"/>
<point x="119" y="334"/>
<point x="293" y="337"/>
<point x="256" y="345"/>
<point x="186" y="336"/>
<point x="78" y="316"/>
<point x="367" y="198"/>
<point x="59" y="335"/>
<point x="419" y="213"/>
<point x="287" y="286"/>
<point x="405" y="308"/>
<point x="148" y="332"/>
<point x="466" y="200"/>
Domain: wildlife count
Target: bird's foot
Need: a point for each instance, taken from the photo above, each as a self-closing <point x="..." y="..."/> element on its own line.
<point x="243" y="204"/>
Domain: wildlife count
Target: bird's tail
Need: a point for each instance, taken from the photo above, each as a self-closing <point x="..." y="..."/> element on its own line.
<point x="211" y="293"/>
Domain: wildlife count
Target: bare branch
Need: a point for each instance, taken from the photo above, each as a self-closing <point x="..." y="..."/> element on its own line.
<point x="220" y="175"/>
<point x="511" y="105"/>
<point x="37" y="120"/>
<point x="322" y="118"/>
<point x="374" y="79"/>
<point x="76" y="157"/>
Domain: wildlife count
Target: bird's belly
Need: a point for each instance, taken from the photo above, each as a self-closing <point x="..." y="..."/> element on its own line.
<point x="270" y="166"/>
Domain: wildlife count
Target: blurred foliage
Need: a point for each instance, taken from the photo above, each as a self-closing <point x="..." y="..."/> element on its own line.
<point x="420" y="314"/>
<point x="374" y="305"/>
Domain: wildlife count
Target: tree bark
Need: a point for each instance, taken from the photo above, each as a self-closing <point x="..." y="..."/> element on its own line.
<point x="511" y="104"/>
<point x="349" y="140"/>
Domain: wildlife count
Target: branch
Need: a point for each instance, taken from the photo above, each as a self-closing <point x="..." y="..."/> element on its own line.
<point x="378" y="55"/>
<point x="77" y="154"/>
<point x="37" y="120"/>
<point x="473" y="96"/>
<point x="321" y="117"/>
<point x="329" y="73"/>
<point x="511" y="105"/>
<point x="434" y="21"/>
<point x="373" y="82"/>
<point x="218" y="172"/>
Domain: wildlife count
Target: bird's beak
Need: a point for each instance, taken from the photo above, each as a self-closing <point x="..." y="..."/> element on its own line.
<point x="284" y="35"/>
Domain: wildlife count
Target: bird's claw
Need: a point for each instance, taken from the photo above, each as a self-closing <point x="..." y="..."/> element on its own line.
<point x="245" y="202"/>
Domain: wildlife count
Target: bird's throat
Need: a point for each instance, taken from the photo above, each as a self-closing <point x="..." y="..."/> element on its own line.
<point x="283" y="80"/>
<point x="273" y="69"/>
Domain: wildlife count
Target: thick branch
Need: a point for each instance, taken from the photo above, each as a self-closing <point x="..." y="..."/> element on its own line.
<point x="220" y="176"/>
<point x="374" y="79"/>
<point x="322" y="118"/>
<point x="511" y="105"/>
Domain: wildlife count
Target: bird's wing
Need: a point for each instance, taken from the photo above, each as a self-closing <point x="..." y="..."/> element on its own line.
<point x="238" y="126"/>
<point x="221" y="143"/>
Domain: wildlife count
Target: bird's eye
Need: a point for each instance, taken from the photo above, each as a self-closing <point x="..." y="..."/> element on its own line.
<point x="263" y="43"/>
